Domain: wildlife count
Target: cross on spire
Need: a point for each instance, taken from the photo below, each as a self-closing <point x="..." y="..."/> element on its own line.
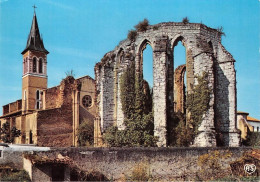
<point x="34" y="7"/>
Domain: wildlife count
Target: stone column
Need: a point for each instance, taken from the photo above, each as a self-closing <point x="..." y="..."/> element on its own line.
<point x="226" y="102"/>
<point x="206" y="137"/>
<point x="159" y="90"/>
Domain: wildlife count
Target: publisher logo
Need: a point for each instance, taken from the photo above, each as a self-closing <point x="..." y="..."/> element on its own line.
<point x="250" y="168"/>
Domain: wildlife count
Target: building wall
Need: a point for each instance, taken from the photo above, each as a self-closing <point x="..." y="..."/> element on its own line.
<point x="255" y="125"/>
<point x="31" y="84"/>
<point x="88" y="87"/>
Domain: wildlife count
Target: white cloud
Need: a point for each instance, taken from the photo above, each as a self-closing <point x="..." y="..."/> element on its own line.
<point x="59" y="5"/>
<point x="3" y="1"/>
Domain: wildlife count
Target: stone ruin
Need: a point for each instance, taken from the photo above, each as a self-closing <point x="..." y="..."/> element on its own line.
<point x="204" y="53"/>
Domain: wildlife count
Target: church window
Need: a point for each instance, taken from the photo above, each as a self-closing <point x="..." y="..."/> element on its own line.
<point x="87" y="101"/>
<point x="40" y="65"/>
<point x="38" y="99"/>
<point x="34" y="65"/>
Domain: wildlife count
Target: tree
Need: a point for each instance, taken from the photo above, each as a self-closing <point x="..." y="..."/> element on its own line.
<point x="8" y="134"/>
<point x="86" y="133"/>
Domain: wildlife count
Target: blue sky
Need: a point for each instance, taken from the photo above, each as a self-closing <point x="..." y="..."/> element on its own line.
<point x="78" y="33"/>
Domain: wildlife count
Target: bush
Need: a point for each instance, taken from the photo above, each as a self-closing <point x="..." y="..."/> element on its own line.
<point x="142" y="26"/>
<point x="132" y="35"/>
<point x="139" y="173"/>
<point x="86" y="133"/>
<point x="15" y="176"/>
<point x="185" y="20"/>
<point x="221" y="30"/>
<point x="252" y="139"/>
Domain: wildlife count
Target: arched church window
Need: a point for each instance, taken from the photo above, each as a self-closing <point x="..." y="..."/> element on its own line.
<point x="87" y="101"/>
<point x="38" y="99"/>
<point x="34" y="65"/>
<point x="40" y="65"/>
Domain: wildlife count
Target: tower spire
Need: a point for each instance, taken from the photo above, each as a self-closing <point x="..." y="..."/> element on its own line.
<point x="34" y="41"/>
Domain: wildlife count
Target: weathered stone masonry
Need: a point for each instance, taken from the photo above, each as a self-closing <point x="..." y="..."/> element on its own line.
<point x="204" y="53"/>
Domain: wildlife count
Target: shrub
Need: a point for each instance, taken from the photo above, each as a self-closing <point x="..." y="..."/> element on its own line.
<point x="252" y="139"/>
<point x="221" y="30"/>
<point x="132" y="35"/>
<point x="211" y="164"/>
<point x="15" y="176"/>
<point x="86" y="133"/>
<point x="142" y="26"/>
<point x="139" y="173"/>
<point x="185" y="20"/>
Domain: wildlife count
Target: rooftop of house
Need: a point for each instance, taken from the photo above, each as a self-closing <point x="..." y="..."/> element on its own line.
<point x="249" y="118"/>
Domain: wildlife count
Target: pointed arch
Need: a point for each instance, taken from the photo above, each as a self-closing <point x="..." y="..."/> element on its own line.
<point x="34" y="65"/>
<point x="40" y="65"/>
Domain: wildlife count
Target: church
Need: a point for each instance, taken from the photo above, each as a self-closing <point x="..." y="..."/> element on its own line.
<point x="48" y="116"/>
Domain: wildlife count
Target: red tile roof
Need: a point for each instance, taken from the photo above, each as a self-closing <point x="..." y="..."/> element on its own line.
<point x="249" y="118"/>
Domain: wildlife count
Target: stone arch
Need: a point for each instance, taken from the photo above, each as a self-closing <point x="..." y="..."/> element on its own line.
<point x="141" y="48"/>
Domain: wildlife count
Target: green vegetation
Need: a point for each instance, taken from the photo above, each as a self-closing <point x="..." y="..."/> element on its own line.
<point x="86" y="133"/>
<point x="7" y="134"/>
<point x="211" y="165"/>
<point x="136" y="105"/>
<point x="139" y="173"/>
<point x="252" y="139"/>
<point x="182" y="130"/>
<point x="15" y="176"/>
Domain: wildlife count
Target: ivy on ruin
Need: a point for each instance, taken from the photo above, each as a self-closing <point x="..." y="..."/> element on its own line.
<point x="136" y="100"/>
<point x="181" y="129"/>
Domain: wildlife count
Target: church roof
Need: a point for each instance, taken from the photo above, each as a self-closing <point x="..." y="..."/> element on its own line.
<point x="35" y="41"/>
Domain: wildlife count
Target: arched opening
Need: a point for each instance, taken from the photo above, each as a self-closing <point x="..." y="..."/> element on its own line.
<point x="37" y="99"/>
<point x="147" y="74"/>
<point x="34" y="65"/>
<point x="30" y="137"/>
<point x="40" y="65"/>
<point x="180" y="78"/>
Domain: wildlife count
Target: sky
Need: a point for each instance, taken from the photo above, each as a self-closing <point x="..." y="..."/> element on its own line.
<point x="77" y="33"/>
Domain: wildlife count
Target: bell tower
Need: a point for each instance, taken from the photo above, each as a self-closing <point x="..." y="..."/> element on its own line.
<point x="34" y="79"/>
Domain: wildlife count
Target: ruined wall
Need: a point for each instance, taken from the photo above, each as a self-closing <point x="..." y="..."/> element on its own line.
<point x="55" y="126"/>
<point x="179" y="89"/>
<point x="52" y="98"/>
<point x="226" y="102"/>
<point x="160" y="163"/>
<point x="204" y="53"/>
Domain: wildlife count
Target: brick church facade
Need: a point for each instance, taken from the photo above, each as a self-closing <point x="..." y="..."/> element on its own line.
<point x="48" y="116"/>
